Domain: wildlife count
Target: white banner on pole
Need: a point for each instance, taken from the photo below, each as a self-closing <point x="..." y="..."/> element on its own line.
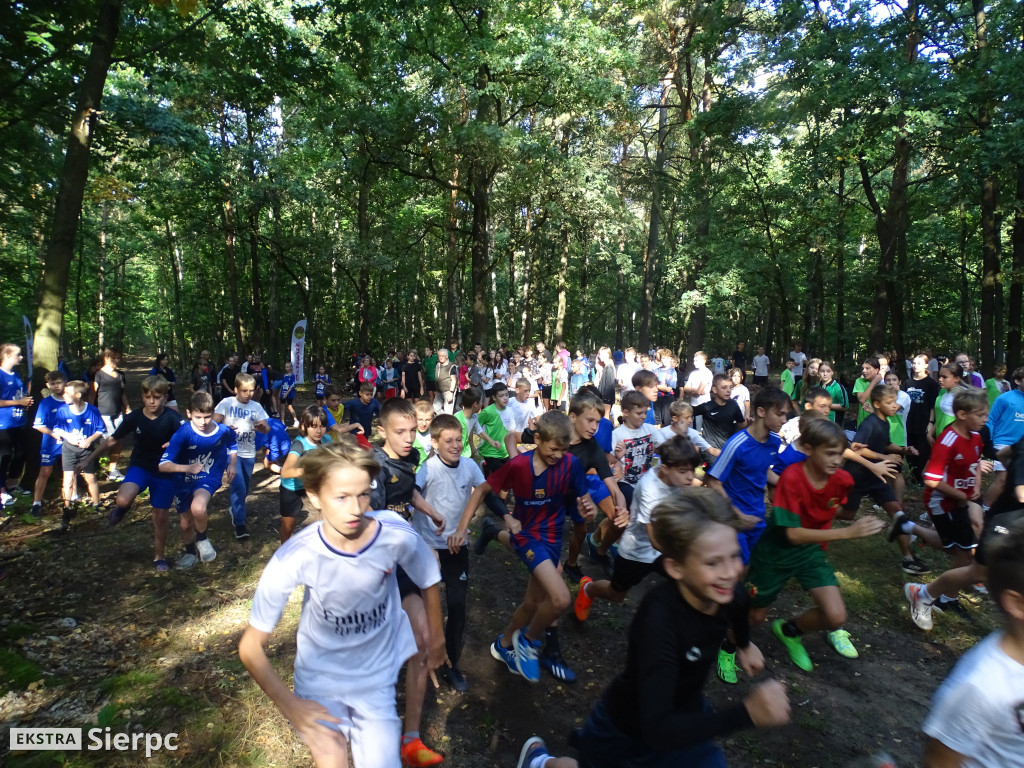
<point x="298" y="350"/>
<point x="29" y="340"/>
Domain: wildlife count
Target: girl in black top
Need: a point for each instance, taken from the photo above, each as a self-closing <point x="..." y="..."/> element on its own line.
<point x="654" y="714"/>
<point x="160" y="369"/>
<point x="112" y="402"/>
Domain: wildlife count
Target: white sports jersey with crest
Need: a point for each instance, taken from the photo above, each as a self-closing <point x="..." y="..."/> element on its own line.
<point x="353" y="633"/>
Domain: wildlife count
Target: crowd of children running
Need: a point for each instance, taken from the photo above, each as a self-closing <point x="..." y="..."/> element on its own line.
<point x="659" y="472"/>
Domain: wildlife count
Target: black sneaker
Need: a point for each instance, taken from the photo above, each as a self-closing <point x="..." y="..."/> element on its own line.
<point x="37" y="509"/>
<point x="241" y="533"/>
<point x="953" y="608"/>
<point x="914" y="566"/>
<point x="488" y="532"/>
<point x="456" y="679"/>
<point x="897" y="528"/>
<point x="572" y="571"/>
<point x="116" y="515"/>
<point x="66" y="517"/>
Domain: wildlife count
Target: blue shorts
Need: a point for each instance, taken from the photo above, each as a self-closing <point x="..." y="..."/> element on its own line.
<point x="161" y="487"/>
<point x="51" y="457"/>
<point x="186" y="492"/>
<point x="534" y="552"/>
<point x="748" y="539"/>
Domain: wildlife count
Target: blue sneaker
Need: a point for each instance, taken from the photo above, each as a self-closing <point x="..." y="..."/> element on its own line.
<point x="527" y="652"/>
<point x="532" y="749"/>
<point x="554" y="664"/>
<point x="507" y="655"/>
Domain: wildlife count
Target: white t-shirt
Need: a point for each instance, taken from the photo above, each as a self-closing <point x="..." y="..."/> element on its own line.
<point x="761" y="363"/>
<point x="799" y="358"/>
<point x="639" y="450"/>
<point x="624" y="375"/>
<point x="694" y="380"/>
<point x="353" y="633"/>
<point x="446" y="489"/>
<point x="242" y="419"/>
<point x="718" y="365"/>
<point x="635" y="544"/>
<point x="741" y="395"/>
<point x="790" y="431"/>
<point x="979" y="710"/>
<point x="520" y="414"/>
<point x="667" y="433"/>
<point x="903" y="401"/>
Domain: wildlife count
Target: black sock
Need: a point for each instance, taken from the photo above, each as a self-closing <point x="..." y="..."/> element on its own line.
<point x="789" y="629"/>
<point x="201" y="536"/>
<point x="191" y="549"/>
<point x="553" y="647"/>
<point x="728" y="646"/>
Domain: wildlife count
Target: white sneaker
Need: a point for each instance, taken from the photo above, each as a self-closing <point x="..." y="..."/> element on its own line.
<point x="5" y="499"/>
<point x="920" y="610"/>
<point x="295" y="424"/>
<point x="115" y="475"/>
<point x="186" y="561"/>
<point x="206" y="551"/>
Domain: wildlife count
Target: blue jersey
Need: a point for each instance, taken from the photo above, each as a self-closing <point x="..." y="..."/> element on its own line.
<point x="189" y="446"/>
<point x="603" y="436"/>
<point x="362" y="413"/>
<point x="742" y="469"/>
<point x="79" y="426"/>
<point x="46" y="416"/>
<point x="11" y="388"/>
<point x="322" y="380"/>
<point x="1006" y="418"/>
<point x="540" y="499"/>
<point x="287" y="385"/>
<point x="276" y="441"/>
<point x="787" y="457"/>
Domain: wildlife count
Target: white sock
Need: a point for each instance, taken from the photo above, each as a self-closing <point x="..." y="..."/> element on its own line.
<point x="947" y="599"/>
<point x="540" y="761"/>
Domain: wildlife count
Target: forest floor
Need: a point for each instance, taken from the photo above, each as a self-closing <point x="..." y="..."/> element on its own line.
<point x="91" y="637"/>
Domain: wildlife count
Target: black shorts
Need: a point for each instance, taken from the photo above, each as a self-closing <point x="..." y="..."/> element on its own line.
<point x="406" y="586"/>
<point x="954" y="528"/>
<point x="545" y="391"/>
<point x="289" y="400"/>
<point x="879" y="490"/>
<point x="608" y="399"/>
<point x="430" y="386"/>
<point x="995" y="525"/>
<point x="760" y="381"/>
<point x="626" y="574"/>
<point x="291" y="501"/>
<point x="493" y="465"/>
<point x="75" y="459"/>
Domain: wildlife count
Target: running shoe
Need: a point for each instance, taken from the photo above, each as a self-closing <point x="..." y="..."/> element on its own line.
<point x="532" y="749"/>
<point x="488" y="532"/>
<point x="794" y="647"/>
<point x="897" y="525"/>
<point x="114" y="474"/>
<point x="840" y="640"/>
<point x="954" y="608"/>
<point x="241" y="533"/>
<point x="527" y="652"/>
<point x="17" y="490"/>
<point x="574" y="572"/>
<point x="416" y="754"/>
<point x="507" y="655"/>
<point x="116" y="515"/>
<point x="6" y="499"/>
<point x="913" y="566"/>
<point x="456" y="679"/>
<point x="37" y="509"/>
<point x="161" y="566"/>
<point x="555" y="665"/>
<point x="727" y="667"/>
<point x="185" y="561"/>
<point x="581" y="607"/>
<point x="920" y="610"/>
<point x="206" y="551"/>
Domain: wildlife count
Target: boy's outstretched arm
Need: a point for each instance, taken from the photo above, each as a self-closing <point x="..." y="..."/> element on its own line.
<point x="303" y="714"/>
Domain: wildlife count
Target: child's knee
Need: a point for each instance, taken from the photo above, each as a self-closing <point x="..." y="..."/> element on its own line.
<point x="560" y="599"/>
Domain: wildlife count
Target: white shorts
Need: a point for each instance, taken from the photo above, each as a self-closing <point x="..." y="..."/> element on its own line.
<point x="370" y="724"/>
<point x="112" y="422"/>
<point x="997" y="465"/>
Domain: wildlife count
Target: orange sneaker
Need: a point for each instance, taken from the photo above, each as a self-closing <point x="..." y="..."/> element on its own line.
<point x="416" y="754"/>
<point x="583" y="601"/>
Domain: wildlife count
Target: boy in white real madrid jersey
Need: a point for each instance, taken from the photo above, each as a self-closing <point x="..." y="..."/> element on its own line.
<point x="353" y="635"/>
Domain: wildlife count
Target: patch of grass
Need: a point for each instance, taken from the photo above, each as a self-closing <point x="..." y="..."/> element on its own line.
<point x="16" y="672"/>
<point x="45" y="759"/>
<point x="15" y="631"/>
<point x="130" y="684"/>
<point x="175" y="698"/>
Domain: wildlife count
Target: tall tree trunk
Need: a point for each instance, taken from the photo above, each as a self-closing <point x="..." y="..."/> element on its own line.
<point x="654" y="223"/>
<point x="228" y="219"/>
<point x="177" y="275"/>
<point x="451" y="315"/>
<point x="989" y="200"/>
<point x="258" y="319"/>
<point x="71" y="190"/>
<point x="1016" y="297"/>
<point x="560" y="281"/>
<point x="101" y="296"/>
<point x="363" y="287"/>
<point x="841" y="270"/>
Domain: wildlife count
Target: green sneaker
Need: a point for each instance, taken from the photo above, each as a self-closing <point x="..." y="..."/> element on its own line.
<point x="840" y="640"/>
<point x="794" y="647"/>
<point x="727" y="667"/>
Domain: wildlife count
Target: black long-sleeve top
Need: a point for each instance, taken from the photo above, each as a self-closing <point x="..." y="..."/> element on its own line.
<point x="658" y="699"/>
